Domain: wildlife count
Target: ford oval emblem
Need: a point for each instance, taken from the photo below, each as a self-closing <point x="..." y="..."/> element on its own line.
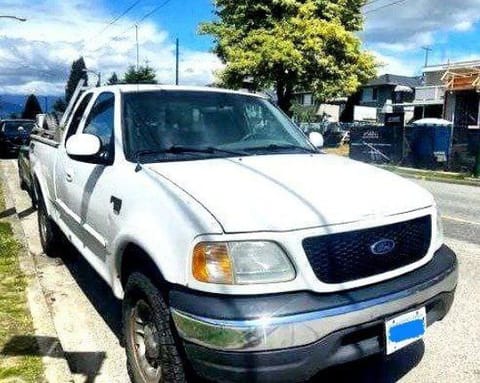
<point x="382" y="247"/>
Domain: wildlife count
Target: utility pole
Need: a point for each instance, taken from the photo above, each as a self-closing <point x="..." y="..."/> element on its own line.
<point x="176" y="61"/>
<point x="138" y="47"/>
<point x="427" y="51"/>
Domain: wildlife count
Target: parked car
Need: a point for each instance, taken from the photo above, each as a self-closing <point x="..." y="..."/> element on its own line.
<point x="25" y="173"/>
<point x="13" y="134"/>
<point x="238" y="247"/>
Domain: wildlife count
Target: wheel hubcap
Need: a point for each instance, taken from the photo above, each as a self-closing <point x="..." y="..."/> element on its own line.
<point x="146" y="342"/>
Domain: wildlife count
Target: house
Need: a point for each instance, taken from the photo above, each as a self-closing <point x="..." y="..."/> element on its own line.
<point x="430" y="96"/>
<point x="330" y="111"/>
<point x="372" y="101"/>
<point x="388" y="90"/>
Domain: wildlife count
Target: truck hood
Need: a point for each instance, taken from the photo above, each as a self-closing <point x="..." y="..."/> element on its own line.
<point x="289" y="192"/>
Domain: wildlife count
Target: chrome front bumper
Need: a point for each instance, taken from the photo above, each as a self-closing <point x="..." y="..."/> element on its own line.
<point x="272" y="332"/>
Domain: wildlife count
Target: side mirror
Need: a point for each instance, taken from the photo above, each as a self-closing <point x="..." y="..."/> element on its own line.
<point x="83" y="147"/>
<point x="316" y="139"/>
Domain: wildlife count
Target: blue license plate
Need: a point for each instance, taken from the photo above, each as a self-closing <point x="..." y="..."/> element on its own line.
<point x="404" y="330"/>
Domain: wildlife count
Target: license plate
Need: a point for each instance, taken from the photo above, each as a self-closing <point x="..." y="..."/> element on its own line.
<point x="405" y="329"/>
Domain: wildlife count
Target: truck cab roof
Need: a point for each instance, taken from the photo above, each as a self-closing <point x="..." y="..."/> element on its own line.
<point x="129" y="88"/>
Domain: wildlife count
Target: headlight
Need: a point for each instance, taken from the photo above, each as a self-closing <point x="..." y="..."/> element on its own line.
<point x="241" y="263"/>
<point x="439" y="231"/>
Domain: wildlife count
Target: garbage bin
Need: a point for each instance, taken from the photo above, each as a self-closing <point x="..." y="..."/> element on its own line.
<point x="430" y="142"/>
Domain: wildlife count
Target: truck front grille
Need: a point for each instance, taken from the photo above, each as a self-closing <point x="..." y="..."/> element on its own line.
<point x="345" y="257"/>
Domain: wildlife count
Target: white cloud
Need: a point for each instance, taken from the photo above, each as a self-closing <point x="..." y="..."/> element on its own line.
<point x="36" y="56"/>
<point x="398" y="32"/>
<point x="395" y="65"/>
<point x="415" y="22"/>
<point x="463" y="26"/>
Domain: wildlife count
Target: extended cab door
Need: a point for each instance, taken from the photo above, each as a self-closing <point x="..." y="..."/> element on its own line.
<point x="89" y="185"/>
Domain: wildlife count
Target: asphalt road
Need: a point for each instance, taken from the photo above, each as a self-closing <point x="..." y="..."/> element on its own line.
<point x="87" y="316"/>
<point x="460" y="207"/>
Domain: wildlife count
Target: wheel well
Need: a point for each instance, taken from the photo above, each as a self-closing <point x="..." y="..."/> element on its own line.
<point x="134" y="258"/>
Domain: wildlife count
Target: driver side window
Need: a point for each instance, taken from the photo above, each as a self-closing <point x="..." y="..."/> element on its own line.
<point x="100" y="123"/>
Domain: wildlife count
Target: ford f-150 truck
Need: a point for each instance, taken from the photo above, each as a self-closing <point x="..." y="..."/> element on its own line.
<point x="241" y="251"/>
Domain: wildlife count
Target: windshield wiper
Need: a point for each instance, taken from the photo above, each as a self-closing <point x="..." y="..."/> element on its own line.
<point x="278" y="147"/>
<point x="208" y="150"/>
<point x="180" y="149"/>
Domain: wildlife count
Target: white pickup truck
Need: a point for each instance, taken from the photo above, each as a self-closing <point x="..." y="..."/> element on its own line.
<point x="241" y="251"/>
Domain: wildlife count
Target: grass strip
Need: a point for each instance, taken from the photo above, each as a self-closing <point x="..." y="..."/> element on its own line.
<point x="19" y="360"/>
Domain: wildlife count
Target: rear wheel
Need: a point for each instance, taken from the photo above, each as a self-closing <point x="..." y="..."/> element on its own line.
<point x="48" y="230"/>
<point x="152" y="354"/>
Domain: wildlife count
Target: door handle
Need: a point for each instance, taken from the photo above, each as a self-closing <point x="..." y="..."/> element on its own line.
<point x="68" y="176"/>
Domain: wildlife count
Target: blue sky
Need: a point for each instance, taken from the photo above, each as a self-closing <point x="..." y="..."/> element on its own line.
<point x="35" y="56"/>
<point x="179" y="17"/>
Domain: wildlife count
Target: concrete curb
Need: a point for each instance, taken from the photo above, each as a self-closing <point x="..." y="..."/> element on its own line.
<point x="439" y="179"/>
<point x="53" y="356"/>
<point x="432" y="176"/>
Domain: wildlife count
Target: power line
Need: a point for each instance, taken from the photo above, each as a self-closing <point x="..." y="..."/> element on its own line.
<point x="115" y="19"/>
<point x="143" y="18"/>
<point x="384" y="6"/>
<point x="155" y="10"/>
<point x="371" y="2"/>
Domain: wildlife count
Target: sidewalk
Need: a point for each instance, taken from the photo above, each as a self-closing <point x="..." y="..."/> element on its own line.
<point x="45" y="336"/>
<point x="83" y="315"/>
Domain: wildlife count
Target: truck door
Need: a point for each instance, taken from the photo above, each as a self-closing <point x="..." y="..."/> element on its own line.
<point x="90" y="184"/>
<point x="63" y="165"/>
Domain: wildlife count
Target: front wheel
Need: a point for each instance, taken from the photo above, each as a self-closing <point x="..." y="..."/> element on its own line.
<point x="152" y="354"/>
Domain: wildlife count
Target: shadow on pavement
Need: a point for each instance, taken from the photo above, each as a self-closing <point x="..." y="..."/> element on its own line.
<point x="376" y="369"/>
<point x="94" y="287"/>
<point x="87" y="364"/>
<point x="27" y="212"/>
<point x="8" y="213"/>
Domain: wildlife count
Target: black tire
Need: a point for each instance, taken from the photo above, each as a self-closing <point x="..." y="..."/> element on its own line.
<point x="158" y="358"/>
<point x="23" y="184"/>
<point x="49" y="233"/>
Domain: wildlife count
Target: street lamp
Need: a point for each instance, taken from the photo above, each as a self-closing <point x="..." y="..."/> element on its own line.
<point x="99" y="76"/>
<point x="13" y="17"/>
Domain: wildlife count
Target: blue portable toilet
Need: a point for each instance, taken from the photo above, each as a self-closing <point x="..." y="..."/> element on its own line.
<point x="431" y="141"/>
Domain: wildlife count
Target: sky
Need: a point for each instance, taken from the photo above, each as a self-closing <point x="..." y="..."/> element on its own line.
<point x="36" y="55"/>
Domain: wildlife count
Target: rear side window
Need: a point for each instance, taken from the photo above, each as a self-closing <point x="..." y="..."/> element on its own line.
<point x="77" y="116"/>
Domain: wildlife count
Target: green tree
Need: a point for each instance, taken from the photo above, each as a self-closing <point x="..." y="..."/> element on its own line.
<point x="60" y="105"/>
<point x="76" y="74"/>
<point x="113" y="79"/>
<point x="145" y="74"/>
<point x="291" y="44"/>
<point x="32" y="108"/>
<point x="303" y="113"/>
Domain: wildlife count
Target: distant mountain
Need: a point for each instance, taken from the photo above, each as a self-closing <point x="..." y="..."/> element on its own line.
<point x="13" y="104"/>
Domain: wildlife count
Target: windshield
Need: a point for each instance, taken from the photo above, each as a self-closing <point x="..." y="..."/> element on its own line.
<point x="14" y="126"/>
<point x="174" y="125"/>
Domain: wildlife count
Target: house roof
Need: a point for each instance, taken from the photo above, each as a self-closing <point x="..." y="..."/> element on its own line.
<point x="454" y="65"/>
<point x="393" y="79"/>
